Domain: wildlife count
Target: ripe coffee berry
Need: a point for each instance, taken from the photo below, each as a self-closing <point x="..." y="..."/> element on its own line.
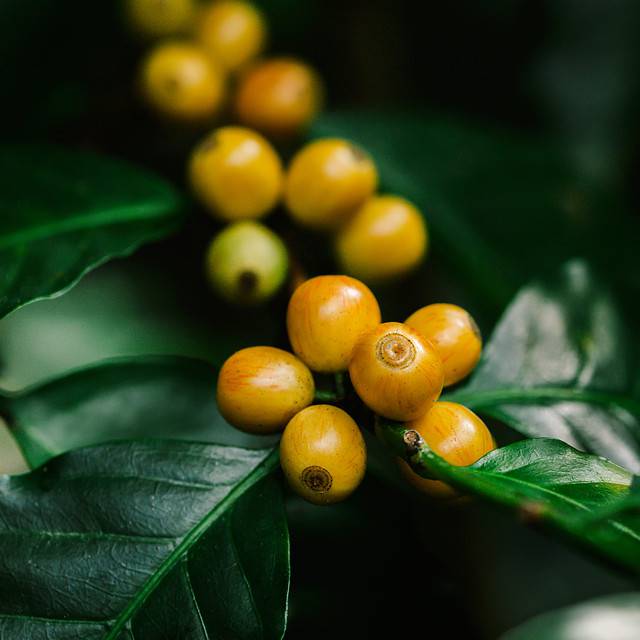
<point x="279" y="97"/>
<point x="454" y="334"/>
<point x="236" y="174"/>
<point x="159" y="18"/>
<point x="261" y="388"/>
<point x="180" y="82"/>
<point x="386" y="238"/>
<point x="326" y="317"/>
<point x="454" y="433"/>
<point x="396" y="372"/>
<point x="233" y="32"/>
<point x="327" y="181"/>
<point x="323" y="454"/>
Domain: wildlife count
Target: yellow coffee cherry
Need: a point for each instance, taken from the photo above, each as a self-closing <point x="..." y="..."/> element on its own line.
<point x="247" y="263"/>
<point x="326" y="317"/>
<point x="160" y="18"/>
<point x="396" y="372"/>
<point x="179" y="81"/>
<point x="454" y="334"/>
<point x="454" y="433"/>
<point x="236" y="174"/>
<point x="261" y="388"/>
<point x="279" y="97"/>
<point x="232" y="31"/>
<point x="323" y="454"/>
<point x="386" y="238"/>
<point x="327" y="181"/>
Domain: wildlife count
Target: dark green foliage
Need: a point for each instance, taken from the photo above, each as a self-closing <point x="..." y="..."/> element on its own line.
<point x="63" y="213"/>
<point x="145" y="540"/>
<point x="549" y="484"/>
<point x="123" y="399"/>
<point x="562" y="363"/>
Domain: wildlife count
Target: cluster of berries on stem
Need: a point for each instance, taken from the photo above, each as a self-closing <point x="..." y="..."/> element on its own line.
<point x="397" y="370"/>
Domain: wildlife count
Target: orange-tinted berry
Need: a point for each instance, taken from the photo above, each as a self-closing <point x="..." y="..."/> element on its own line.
<point x="454" y="334"/>
<point x="326" y="317"/>
<point x="279" y="97"/>
<point x="323" y="454"/>
<point x="261" y="388"/>
<point x="396" y="372"/>
<point x="454" y="433"/>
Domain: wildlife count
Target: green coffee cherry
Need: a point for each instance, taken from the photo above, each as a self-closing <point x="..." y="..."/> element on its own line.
<point x="247" y="263"/>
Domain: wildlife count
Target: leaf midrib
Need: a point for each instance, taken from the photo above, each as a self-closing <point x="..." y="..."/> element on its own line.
<point x="267" y="465"/>
<point x="107" y="217"/>
<point x="483" y="399"/>
<point x="507" y="478"/>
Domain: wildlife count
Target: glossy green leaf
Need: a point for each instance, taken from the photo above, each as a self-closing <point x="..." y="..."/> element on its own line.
<point x="502" y="207"/>
<point x="160" y="397"/>
<point x="628" y="506"/>
<point x="145" y="540"/>
<point x="548" y="483"/>
<point x="63" y="213"/>
<point x="615" y="617"/>
<point x="561" y="363"/>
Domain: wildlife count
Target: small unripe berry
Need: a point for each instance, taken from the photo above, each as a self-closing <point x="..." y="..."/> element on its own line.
<point x="279" y="97"/>
<point x="261" y="388"/>
<point x="327" y="181"/>
<point x="396" y="372"/>
<point x="236" y="174"/>
<point x="247" y="263"/>
<point x="386" y="238"/>
<point x="326" y="317"/>
<point x="160" y="18"/>
<point x="232" y="31"/>
<point x="454" y="433"/>
<point x="179" y="81"/>
<point x="454" y="334"/>
<point x="323" y="454"/>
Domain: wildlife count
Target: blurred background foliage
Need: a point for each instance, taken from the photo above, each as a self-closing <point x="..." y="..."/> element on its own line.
<point x="564" y="73"/>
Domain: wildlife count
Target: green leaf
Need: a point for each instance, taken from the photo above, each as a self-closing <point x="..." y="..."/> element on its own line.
<point x="63" y="213"/>
<point x="159" y="397"/>
<point x="145" y="540"/>
<point x="627" y="506"/>
<point x="561" y="363"/>
<point x="501" y="206"/>
<point x="607" y="618"/>
<point x="147" y="297"/>
<point x="547" y="482"/>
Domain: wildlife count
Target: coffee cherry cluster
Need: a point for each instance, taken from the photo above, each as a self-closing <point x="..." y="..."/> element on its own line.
<point x="397" y="370"/>
<point x="207" y="63"/>
<point x="206" y="67"/>
<point x="238" y="176"/>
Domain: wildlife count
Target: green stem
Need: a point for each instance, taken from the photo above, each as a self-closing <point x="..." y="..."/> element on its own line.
<point x="323" y="395"/>
<point x="339" y="384"/>
<point x="410" y="446"/>
<point x="336" y="394"/>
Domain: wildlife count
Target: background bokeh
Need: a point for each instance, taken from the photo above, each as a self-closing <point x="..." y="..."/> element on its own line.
<point x="386" y="562"/>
